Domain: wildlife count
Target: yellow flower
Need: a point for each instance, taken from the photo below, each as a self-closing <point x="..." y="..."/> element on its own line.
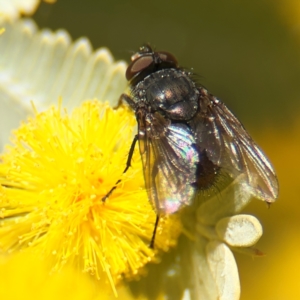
<point x="53" y="181"/>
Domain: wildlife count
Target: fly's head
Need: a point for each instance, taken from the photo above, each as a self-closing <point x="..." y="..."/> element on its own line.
<point x="147" y="61"/>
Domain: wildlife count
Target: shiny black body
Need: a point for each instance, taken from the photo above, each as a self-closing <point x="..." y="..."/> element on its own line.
<point x="170" y="92"/>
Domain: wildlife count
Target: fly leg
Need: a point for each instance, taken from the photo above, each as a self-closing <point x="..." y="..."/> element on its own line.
<point x="128" y="163"/>
<point x="154" y="233"/>
<point x="131" y="103"/>
<point x="128" y="100"/>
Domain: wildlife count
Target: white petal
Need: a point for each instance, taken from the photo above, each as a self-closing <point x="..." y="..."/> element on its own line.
<point x="11" y="9"/>
<point x="228" y="202"/>
<point x="42" y="66"/>
<point x="197" y="271"/>
<point x="224" y="270"/>
<point x="239" y="230"/>
<point x="10" y="120"/>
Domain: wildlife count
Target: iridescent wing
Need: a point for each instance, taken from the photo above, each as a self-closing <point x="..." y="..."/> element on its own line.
<point x="228" y="145"/>
<point x="169" y="161"/>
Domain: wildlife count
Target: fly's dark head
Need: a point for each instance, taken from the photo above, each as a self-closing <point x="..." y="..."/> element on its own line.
<point x="147" y="61"/>
<point x="159" y="85"/>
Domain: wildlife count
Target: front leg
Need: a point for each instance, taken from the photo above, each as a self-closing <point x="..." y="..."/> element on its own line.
<point x="125" y="98"/>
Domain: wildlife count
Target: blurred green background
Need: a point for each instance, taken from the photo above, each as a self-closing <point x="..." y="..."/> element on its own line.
<point x="248" y="54"/>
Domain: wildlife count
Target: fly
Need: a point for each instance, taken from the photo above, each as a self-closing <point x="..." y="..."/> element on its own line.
<point x="187" y="136"/>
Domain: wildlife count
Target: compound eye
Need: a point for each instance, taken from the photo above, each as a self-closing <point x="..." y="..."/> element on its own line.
<point x="167" y="57"/>
<point x="138" y="65"/>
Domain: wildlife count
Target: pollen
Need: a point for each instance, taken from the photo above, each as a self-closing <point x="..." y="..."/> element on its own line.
<point x="54" y="179"/>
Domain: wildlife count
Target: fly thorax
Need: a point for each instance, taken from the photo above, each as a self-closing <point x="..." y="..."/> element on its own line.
<point x="171" y="92"/>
